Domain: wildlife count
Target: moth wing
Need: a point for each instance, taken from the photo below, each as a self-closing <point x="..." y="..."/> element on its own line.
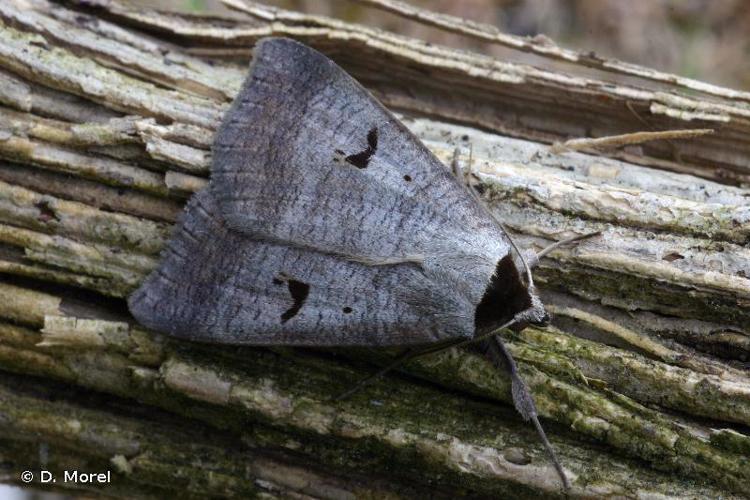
<point x="214" y="284"/>
<point x="309" y="157"/>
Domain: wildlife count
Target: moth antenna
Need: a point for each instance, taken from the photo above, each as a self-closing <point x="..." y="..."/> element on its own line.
<point x="467" y="180"/>
<point x="546" y="250"/>
<point x="469" y="172"/>
<point x="524" y="401"/>
<point x="455" y="166"/>
<point x="526" y="267"/>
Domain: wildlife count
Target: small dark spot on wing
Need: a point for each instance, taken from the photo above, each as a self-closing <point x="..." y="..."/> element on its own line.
<point x="347" y="310"/>
<point x="362" y="159"/>
<point x="407" y="178"/>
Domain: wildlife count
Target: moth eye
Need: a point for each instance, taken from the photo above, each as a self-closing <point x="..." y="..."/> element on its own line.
<point x="347" y="310"/>
<point x="407" y="178"/>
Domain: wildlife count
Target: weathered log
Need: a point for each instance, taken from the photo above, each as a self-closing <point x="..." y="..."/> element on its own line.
<point x="107" y="114"/>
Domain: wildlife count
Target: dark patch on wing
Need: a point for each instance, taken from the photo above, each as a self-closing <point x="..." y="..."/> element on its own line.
<point x="407" y="178"/>
<point x="504" y="297"/>
<point x="299" y="292"/>
<point x="362" y="159"/>
<point x="347" y="310"/>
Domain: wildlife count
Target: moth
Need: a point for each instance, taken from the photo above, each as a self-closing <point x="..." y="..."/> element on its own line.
<point x="326" y="222"/>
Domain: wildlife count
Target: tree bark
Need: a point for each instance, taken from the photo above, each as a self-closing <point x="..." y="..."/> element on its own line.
<point x="107" y="114"/>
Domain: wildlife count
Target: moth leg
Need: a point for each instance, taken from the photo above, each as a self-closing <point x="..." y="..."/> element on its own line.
<point x="456" y="165"/>
<point x="501" y="357"/>
<point x="402" y="358"/>
<point x="546" y="250"/>
<point x="405" y="356"/>
<point x="410" y="354"/>
<point x="522" y="399"/>
<point x="463" y="175"/>
<point x="470" y="171"/>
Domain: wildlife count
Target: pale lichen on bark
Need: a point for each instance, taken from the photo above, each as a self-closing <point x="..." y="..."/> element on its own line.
<point x="106" y="131"/>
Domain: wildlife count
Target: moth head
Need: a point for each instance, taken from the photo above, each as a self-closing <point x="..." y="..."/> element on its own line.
<point x="543" y="321"/>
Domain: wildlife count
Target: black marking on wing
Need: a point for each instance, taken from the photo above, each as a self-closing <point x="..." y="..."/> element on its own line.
<point x="299" y="292"/>
<point x="504" y="296"/>
<point x="362" y="159"/>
